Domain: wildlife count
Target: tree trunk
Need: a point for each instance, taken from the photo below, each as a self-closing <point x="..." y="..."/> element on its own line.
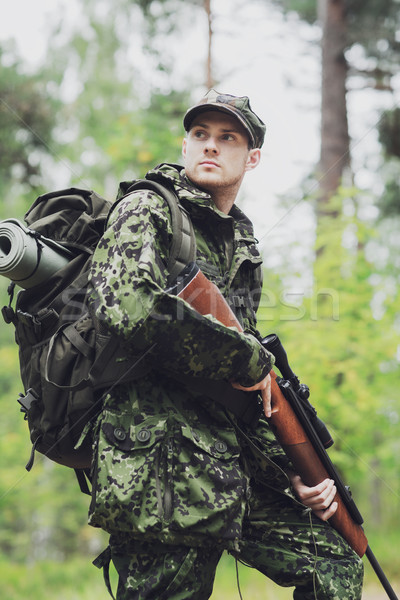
<point x="209" y="75"/>
<point x="335" y="149"/>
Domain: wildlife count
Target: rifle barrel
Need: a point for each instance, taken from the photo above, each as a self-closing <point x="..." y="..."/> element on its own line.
<point x="380" y="574"/>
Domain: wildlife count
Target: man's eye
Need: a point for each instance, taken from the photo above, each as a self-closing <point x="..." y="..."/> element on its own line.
<point x="227" y="137"/>
<point x="199" y="134"/>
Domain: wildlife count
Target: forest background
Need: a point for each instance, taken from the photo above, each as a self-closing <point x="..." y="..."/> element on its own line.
<point x="92" y="92"/>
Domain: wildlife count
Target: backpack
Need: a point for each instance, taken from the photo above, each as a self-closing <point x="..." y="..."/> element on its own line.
<point x="67" y="361"/>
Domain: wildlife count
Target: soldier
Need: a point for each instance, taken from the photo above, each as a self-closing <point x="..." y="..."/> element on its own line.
<point x="177" y="479"/>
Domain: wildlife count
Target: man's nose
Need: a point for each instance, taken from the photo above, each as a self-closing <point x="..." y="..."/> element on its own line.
<point x="211" y="145"/>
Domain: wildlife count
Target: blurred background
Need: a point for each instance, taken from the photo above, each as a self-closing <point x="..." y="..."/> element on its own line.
<point x="92" y="92"/>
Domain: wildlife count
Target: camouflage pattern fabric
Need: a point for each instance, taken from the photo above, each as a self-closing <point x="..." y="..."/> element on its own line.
<point x="279" y="539"/>
<point x="129" y="276"/>
<point x="164" y="572"/>
<point x="171" y="469"/>
<point x="294" y="548"/>
<point x="168" y="462"/>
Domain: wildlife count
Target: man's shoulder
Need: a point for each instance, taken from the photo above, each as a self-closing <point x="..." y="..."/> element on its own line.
<point x="165" y="174"/>
<point x="169" y="172"/>
<point x="137" y="205"/>
<point x="168" y="175"/>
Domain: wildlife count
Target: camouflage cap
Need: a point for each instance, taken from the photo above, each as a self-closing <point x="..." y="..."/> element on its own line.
<point x="238" y="106"/>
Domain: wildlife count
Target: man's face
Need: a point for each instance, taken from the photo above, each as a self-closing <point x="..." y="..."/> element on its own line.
<point x="216" y="153"/>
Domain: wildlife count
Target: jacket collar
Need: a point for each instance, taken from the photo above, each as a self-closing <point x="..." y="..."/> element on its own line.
<point x="193" y="197"/>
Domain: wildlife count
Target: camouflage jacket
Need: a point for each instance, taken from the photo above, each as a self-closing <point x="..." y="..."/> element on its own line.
<point x="170" y="464"/>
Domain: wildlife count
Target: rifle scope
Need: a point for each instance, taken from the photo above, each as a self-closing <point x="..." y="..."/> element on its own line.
<point x="273" y="344"/>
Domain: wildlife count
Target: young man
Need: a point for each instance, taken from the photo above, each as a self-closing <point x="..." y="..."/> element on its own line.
<point x="178" y="478"/>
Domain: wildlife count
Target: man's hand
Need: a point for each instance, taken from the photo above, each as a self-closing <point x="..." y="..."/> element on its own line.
<point x="264" y="387"/>
<point x="319" y="498"/>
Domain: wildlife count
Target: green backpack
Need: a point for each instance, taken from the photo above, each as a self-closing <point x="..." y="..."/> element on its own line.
<point x="67" y="362"/>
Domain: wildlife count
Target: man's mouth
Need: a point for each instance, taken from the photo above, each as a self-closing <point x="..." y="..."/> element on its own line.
<point x="209" y="163"/>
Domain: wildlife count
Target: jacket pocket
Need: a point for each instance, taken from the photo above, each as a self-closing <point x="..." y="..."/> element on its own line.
<point x="129" y="476"/>
<point x="163" y="478"/>
<point x="209" y="484"/>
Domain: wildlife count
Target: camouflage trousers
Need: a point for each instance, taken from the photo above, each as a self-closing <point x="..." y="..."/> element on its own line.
<point x="282" y="541"/>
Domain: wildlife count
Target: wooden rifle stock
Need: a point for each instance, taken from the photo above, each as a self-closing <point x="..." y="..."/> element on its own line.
<point x="205" y="298"/>
<point x="298" y="447"/>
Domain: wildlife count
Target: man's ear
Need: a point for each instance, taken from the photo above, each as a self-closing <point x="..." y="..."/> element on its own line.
<point x="253" y="158"/>
<point x="184" y="142"/>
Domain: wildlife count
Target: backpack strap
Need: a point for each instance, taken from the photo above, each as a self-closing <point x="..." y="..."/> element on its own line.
<point x="103" y="562"/>
<point x="183" y="248"/>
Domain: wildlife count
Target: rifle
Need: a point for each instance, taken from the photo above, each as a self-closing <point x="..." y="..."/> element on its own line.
<point x="303" y="436"/>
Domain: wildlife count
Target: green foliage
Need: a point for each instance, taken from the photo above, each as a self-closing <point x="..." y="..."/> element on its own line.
<point x="27" y="118"/>
<point x="163" y="18"/>
<point x="42" y="513"/>
<point x="114" y="123"/>
<point x="389" y="127"/>
<point x="307" y="9"/>
<point x="349" y="359"/>
<point x="140" y="140"/>
<point x="45" y="580"/>
<point x="389" y="202"/>
<point x="367" y="19"/>
<point x="372" y="24"/>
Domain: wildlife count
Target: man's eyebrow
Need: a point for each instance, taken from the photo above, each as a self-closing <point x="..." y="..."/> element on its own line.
<point x="223" y="130"/>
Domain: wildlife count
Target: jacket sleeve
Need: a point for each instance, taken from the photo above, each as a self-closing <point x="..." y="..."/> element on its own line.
<point x="128" y="279"/>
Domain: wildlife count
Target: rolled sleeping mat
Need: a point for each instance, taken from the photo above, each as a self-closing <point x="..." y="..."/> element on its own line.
<point x="27" y="258"/>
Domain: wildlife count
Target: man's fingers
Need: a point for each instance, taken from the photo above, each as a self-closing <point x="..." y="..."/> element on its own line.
<point x="266" y="399"/>
<point x="324" y="515"/>
<point x="322" y="502"/>
<point x="264" y="387"/>
<point x="319" y="498"/>
<point x="264" y="384"/>
<point x="318" y="493"/>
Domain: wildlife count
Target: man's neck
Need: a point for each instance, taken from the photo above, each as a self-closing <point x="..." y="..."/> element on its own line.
<point x="223" y="204"/>
<point x="224" y="198"/>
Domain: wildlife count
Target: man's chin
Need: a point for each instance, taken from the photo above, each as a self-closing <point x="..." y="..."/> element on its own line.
<point x="207" y="181"/>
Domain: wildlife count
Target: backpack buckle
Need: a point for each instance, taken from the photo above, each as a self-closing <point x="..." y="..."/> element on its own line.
<point x="8" y="314"/>
<point x="7" y="311"/>
<point x="27" y="400"/>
